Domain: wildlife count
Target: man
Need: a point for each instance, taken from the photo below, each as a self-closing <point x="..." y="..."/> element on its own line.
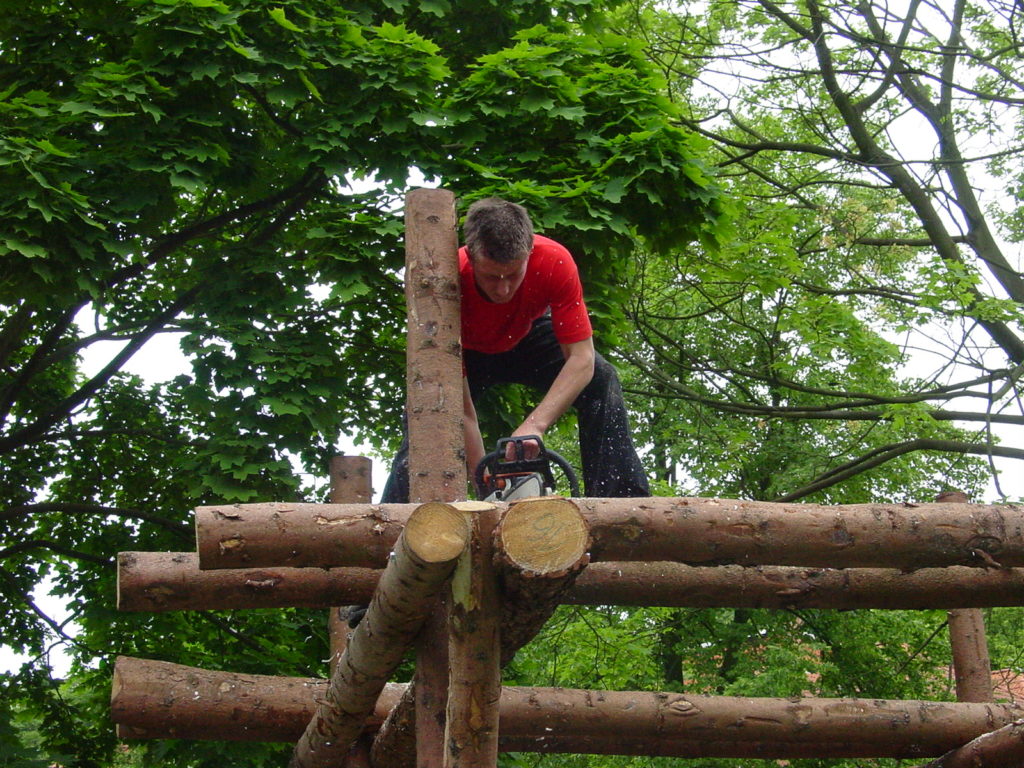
<point x="524" y="321"/>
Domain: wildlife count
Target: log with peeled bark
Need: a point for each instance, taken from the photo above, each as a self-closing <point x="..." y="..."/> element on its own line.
<point x="171" y="581"/>
<point x="424" y="557"/>
<point x="434" y="410"/>
<point x="299" y="535"/>
<point x="470" y="737"/>
<point x="541" y="546"/>
<point x="1002" y="748"/>
<point x="722" y="531"/>
<point x="674" y="585"/>
<point x="684" y="530"/>
<point x="153" y="699"/>
<point x="160" y="700"/>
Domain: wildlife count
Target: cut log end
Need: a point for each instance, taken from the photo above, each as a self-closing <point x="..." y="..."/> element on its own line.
<point x="437" y="532"/>
<point x="546" y="534"/>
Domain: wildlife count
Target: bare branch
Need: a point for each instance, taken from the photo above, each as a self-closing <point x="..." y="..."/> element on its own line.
<point x="13" y="513"/>
<point x="884" y="454"/>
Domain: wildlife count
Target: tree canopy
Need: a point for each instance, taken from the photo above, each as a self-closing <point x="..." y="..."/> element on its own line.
<point x="871" y="293"/>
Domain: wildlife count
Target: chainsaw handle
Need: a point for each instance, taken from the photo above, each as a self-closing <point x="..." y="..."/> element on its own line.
<point x="496" y="464"/>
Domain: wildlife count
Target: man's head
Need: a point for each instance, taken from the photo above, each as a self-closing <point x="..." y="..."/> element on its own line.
<point x="499" y="238"/>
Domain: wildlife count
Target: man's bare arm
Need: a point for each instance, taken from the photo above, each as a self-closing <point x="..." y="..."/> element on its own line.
<point x="571" y="380"/>
<point x="471" y="431"/>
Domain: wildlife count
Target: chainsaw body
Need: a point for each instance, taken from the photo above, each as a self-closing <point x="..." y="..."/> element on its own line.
<point x="499" y="478"/>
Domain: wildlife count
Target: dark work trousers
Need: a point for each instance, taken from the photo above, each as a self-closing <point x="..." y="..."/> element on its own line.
<point x="611" y="467"/>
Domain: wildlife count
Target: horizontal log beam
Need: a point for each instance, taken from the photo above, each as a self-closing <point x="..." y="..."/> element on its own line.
<point x="674" y="585"/>
<point x="298" y="535"/>
<point x="172" y="581"/>
<point x="694" y="531"/>
<point x="152" y="699"/>
<point x="721" y="531"/>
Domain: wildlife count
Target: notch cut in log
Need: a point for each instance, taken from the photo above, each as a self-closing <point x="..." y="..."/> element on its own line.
<point x="434" y="537"/>
<point x="153" y="699"/>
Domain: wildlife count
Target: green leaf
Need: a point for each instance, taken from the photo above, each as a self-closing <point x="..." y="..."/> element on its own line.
<point x="439" y="8"/>
<point x="47" y="146"/>
<point x="79" y="107"/>
<point x="309" y="86"/>
<point x="278" y="15"/>
<point x="25" y="249"/>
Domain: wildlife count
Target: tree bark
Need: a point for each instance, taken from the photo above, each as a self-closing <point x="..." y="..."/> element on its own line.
<point x="474" y="653"/>
<point x="171" y="581"/>
<point x="160" y="700"/>
<point x="437" y="455"/>
<point x="423" y="559"/>
<point x="277" y="534"/>
<point x="1003" y="748"/>
<point x="541" y="541"/>
<point x="686" y="530"/>
<point x="154" y="699"/>
<point x="972" y="669"/>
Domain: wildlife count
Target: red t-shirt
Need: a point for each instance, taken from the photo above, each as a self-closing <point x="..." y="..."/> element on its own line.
<point x="551" y="281"/>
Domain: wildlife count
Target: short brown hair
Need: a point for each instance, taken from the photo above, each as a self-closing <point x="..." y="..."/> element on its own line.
<point x="498" y="230"/>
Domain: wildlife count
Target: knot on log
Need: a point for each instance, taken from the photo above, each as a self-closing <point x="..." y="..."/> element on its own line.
<point x="683" y="708"/>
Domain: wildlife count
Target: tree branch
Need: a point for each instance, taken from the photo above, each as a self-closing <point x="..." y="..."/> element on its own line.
<point x="884" y="454"/>
<point x="60" y="549"/>
<point x="13" y="513"/>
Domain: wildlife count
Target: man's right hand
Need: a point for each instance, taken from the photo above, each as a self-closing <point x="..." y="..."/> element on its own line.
<point x="531" y="449"/>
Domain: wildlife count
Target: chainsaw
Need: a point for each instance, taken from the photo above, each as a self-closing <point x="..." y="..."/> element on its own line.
<point x="499" y="478"/>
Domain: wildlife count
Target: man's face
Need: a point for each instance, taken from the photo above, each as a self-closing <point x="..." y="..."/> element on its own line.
<point x="499" y="281"/>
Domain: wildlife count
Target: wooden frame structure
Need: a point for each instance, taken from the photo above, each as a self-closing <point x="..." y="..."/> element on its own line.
<point x="467" y="584"/>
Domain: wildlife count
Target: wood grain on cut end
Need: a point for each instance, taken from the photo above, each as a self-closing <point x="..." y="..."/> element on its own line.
<point x="437" y="532"/>
<point x="545" y="534"/>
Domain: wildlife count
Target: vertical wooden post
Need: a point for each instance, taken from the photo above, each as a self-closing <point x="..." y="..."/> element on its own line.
<point x="437" y="470"/>
<point x="437" y="453"/>
<point x="972" y="669"/>
<point x="351" y="483"/>
<point x="471" y="736"/>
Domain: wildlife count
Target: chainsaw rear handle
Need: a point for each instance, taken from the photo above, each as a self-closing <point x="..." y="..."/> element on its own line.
<point x="496" y="464"/>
